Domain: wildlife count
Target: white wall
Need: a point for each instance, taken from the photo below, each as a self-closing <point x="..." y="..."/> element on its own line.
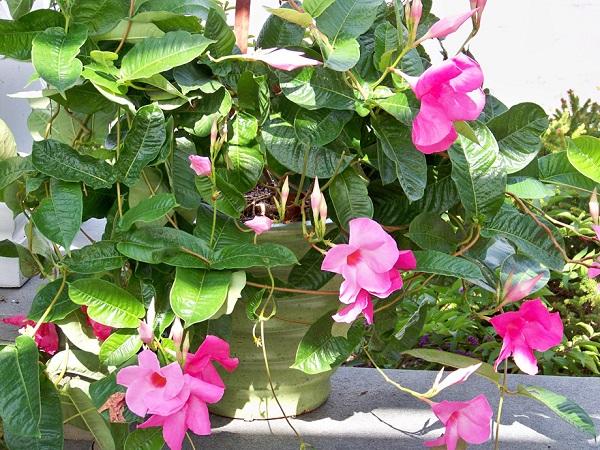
<point x="529" y="49"/>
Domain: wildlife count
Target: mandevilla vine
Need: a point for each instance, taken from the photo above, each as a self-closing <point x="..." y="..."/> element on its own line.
<point x="232" y="186"/>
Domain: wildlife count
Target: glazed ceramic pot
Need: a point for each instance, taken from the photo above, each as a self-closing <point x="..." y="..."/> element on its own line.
<point x="248" y="394"/>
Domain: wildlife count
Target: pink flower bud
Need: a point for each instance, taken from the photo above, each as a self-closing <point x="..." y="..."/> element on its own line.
<point x="214" y="132"/>
<point x="416" y="10"/>
<point x="323" y="209"/>
<point x="176" y="332"/>
<point x="259" y="224"/>
<point x="282" y="59"/>
<point x="596" y="229"/>
<point x="315" y="198"/>
<point x="520" y="290"/>
<point x="201" y="165"/>
<point x="145" y="332"/>
<point x="447" y="25"/>
<point x="457" y="377"/>
<point x="285" y="192"/>
<point x="594" y="208"/>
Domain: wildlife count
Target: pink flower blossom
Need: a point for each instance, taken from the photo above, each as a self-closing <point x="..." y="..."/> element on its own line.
<point x="145" y="332"/>
<point x="594" y="271"/>
<point x="447" y="25"/>
<point x="200" y="365"/>
<point x="370" y="265"/>
<point x="281" y="58"/>
<point x="46" y="337"/>
<point x="469" y="421"/>
<point x="201" y="165"/>
<point x="458" y="376"/>
<point x="362" y="304"/>
<point x="518" y="291"/>
<point x="259" y="224"/>
<point x="449" y="92"/>
<point x="530" y="328"/>
<point x="101" y="331"/>
<point x="596" y="229"/>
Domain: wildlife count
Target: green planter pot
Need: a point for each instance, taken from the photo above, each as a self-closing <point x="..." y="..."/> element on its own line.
<point x="247" y="394"/>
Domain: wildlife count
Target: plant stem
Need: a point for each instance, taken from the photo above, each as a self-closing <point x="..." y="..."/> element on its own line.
<point x="128" y="28"/>
<point x="297" y="291"/>
<point x="190" y="441"/>
<point x="302" y="176"/>
<point x="500" y="405"/>
<point x="195" y="255"/>
<point x="51" y="305"/>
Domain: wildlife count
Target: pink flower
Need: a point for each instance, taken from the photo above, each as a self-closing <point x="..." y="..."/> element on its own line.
<point x="446" y="26"/>
<point x="480" y="6"/>
<point x="259" y="224"/>
<point x="281" y="58"/>
<point x="469" y="421"/>
<point x="200" y="365"/>
<point x="520" y="290"/>
<point x="594" y="271"/>
<point x="458" y="376"/>
<point x="146" y="333"/>
<point x="596" y="229"/>
<point x="102" y="332"/>
<point x="46" y="337"/>
<point x="530" y="328"/>
<point x="362" y="304"/>
<point x="369" y="263"/>
<point x="201" y="165"/>
<point x="449" y="92"/>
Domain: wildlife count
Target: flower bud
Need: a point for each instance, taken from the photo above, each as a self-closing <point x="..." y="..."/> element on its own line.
<point x="520" y="290"/>
<point x="595" y="208"/>
<point x="214" y="133"/>
<point x="416" y="10"/>
<point x="315" y="198"/>
<point x="446" y="26"/>
<point x="177" y="332"/>
<point x="145" y="332"/>
<point x="285" y="193"/>
<point x="323" y="210"/>
<point x="201" y="165"/>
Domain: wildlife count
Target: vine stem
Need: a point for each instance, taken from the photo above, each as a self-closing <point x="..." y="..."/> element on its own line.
<point x="297" y="291"/>
<point x="500" y="405"/>
<point x="128" y="28"/>
<point x="51" y="305"/>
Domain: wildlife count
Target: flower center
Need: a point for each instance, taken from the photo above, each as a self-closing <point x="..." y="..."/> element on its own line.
<point x="158" y="380"/>
<point x="353" y="258"/>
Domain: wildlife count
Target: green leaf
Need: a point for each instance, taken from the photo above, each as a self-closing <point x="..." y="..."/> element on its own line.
<point x="16" y="36"/>
<point x="76" y="328"/>
<point x="12" y="169"/>
<point x="20" y="388"/>
<point x="183" y="177"/>
<point x="216" y="28"/>
<point x="316" y="88"/>
<point x="521" y="268"/>
<point x="439" y="263"/>
<point x="308" y="274"/>
<point x="142" y="143"/>
<point x="283" y="144"/>
<point x="408" y="331"/>
<point x="247" y="162"/>
<point x="226" y="231"/>
<point x="157" y="54"/>
<point x="19" y="8"/>
<point x="8" y="146"/>
<point x="54" y="55"/>
<point x="148" y="210"/>
<point x="58" y="216"/>
<point x="90" y="416"/>
<point x="347" y="18"/>
<point x="198" y="8"/>
<point x="396" y="144"/>
<point x="44" y="297"/>
<point x="98" y="257"/>
<point x="107" y="303"/>
<point x="279" y="33"/>
<point x="155" y="245"/>
<point x="430" y="232"/>
<point x="320" y="127"/>
<point x="566" y="409"/>
<point x="145" y="439"/>
<point x="343" y="56"/>
<point x="119" y="347"/>
<point x="243" y="256"/>
<point x="98" y="15"/>
<point x="102" y="389"/>
<point x="198" y="294"/>
<point x="479" y="174"/>
<point x="316" y="7"/>
<point x="75" y="362"/>
<point x="584" y="153"/>
<point x="291" y="15"/>
<point x="230" y="201"/>
<point x="456" y="361"/>
<point x="528" y="188"/>
<point x="556" y="169"/>
<point x="60" y="161"/>
<point x="397" y="106"/>
<point x="386" y="45"/>
<point x="518" y="132"/>
<point x="320" y="352"/>
<point x="350" y="197"/>
<point x="525" y="233"/>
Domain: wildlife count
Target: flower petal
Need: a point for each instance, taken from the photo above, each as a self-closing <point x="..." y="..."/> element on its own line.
<point x="432" y="130"/>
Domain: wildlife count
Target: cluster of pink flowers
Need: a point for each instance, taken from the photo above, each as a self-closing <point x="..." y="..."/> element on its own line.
<point x="176" y="399"/>
<point x="370" y="264"/>
<point x="46" y="337"/>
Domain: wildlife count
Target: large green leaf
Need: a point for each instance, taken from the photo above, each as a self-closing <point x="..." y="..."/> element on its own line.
<point x="279" y="33"/>
<point x="396" y="144"/>
<point x="60" y="161"/>
<point x="98" y="15"/>
<point x="145" y="439"/>
<point x="443" y="264"/>
<point x="243" y="256"/>
<point x="386" y="45"/>
<point x="430" y="232"/>
<point x="319" y="351"/>
<point x="148" y="210"/>
<point x="198" y="294"/>
<point x="54" y="55"/>
<point x="226" y="231"/>
<point x="76" y="328"/>
<point x="456" y="361"/>
<point x="584" y="153"/>
<point x="198" y="8"/>
<point x="566" y="409"/>
<point x="350" y="197"/>
<point x="247" y="162"/>
<point x="16" y="36"/>
<point x="157" y="54"/>
<point x="8" y="145"/>
<point x="58" y="216"/>
<point x="528" y="188"/>
<point x="397" y="106"/>
<point x="155" y="245"/>
<point x="119" y="347"/>
<point x="142" y="143"/>
<point x="230" y="201"/>
<point x="527" y="235"/>
<point x="217" y="29"/>
<point x="19" y="8"/>
<point x="316" y="7"/>
<point x="12" y="169"/>
<point x="518" y="132"/>
<point x="556" y="169"/>
<point x="479" y="174"/>
<point x="82" y="405"/>
<point x="20" y="388"/>
<point x="283" y="144"/>
<point x="107" y="303"/>
<point x="98" y="257"/>
<point x="343" y="56"/>
<point x="182" y="176"/>
<point x="316" y="88"/>
<point x="44" y="297"/>
<point x="347" y="19"/>
<point x="320" y="127"/>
